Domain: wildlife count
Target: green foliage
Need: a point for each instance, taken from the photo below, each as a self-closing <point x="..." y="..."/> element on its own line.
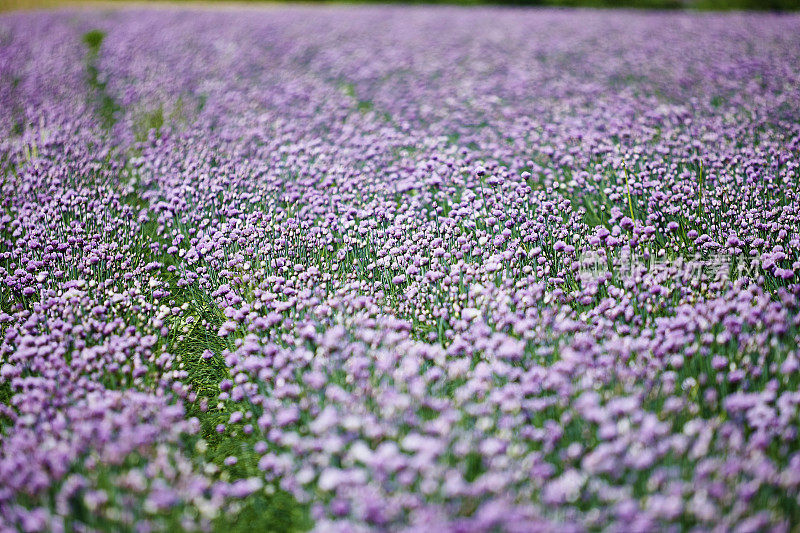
<point x="262" y="512"/>
<point x="105" y="105"/>
<point x="93" y="39"/>
<point x="150" y="121"/>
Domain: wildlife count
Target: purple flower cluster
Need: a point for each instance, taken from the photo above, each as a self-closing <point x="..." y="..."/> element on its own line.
<point x="417" y="268"/>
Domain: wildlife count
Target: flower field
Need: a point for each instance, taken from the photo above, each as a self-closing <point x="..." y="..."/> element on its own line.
<point x="399" y="268"/>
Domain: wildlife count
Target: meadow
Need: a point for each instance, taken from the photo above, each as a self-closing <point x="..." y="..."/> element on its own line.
<point x="399" y="269"/>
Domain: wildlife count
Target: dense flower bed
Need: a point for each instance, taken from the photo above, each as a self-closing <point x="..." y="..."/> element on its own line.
<point x="388" y="268"/>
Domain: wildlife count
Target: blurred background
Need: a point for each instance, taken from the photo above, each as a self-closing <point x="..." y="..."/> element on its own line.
<point x="704" y="5"/>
